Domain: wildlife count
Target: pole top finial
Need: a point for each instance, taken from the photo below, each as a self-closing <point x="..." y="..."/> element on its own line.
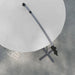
<point x="23" y="4"/>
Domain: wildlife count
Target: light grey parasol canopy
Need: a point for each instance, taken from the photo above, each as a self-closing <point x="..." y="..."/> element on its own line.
<point x="20" y="32"/>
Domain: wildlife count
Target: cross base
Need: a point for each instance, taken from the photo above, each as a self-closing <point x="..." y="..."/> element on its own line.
<point x="47" y="53"/>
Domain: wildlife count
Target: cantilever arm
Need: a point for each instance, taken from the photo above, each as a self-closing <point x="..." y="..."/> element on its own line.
<point x="48" y="38"/>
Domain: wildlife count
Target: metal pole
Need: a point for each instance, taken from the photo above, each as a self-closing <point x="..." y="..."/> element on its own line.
<point x="52" y="45"/>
